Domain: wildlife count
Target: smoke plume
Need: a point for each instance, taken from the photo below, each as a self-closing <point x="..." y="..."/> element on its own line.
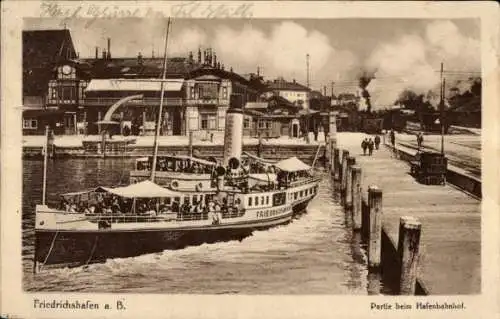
<point x="412" y="62"/>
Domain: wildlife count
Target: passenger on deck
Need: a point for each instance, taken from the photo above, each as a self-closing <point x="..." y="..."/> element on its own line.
<point x="185" y="208"/>
<point x="211" y="212"/>
<point x="218" y="211"/>
<point x="224" y="209"/>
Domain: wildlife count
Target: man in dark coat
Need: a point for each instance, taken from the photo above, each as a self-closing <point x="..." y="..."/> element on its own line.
<point x="370" y="147"/>
<point x="377" y="142"/>
<point x="393" y="138"/>
<point x="364" y="145"/>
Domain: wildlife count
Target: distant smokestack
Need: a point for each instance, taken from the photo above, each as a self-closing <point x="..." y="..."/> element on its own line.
<point x="139" y="59"/>
<point x="258" y="71"/>
<point x="199" y="55"/>
<point x="364" y="80"/>
<point x="109" y="48"/>
<point x="215" y="60"/>
<point x="97" y="53"/>
<point x="104" y="54"/>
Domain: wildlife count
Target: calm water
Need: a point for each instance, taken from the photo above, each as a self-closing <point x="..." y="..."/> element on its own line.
<point x="315" y="254"/>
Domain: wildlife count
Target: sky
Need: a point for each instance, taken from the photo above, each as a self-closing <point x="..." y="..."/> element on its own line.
<point x="399" y="53"/>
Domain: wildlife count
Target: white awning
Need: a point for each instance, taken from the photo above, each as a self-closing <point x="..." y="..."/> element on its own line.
<point x="292" y="164"/>
<point x="138" y="85"/>
<point x="264" y="177"/>
<point x="144" y="189"/>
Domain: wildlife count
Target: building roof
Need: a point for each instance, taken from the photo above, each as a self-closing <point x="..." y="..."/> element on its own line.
<point x="283" y="85"/>
<point x="139" y="68"/>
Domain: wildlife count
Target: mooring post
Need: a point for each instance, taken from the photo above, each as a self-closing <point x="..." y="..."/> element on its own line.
<point x="375" y="226"/>
<point x="348" y="189"/>
<point x="356" y="197"/>
<point x="408" y="250"/>
<point x="332" y="163"/>
<point x="336" y="163"/>
<point x="343" y="172"/>
<point x="190" y="143"/>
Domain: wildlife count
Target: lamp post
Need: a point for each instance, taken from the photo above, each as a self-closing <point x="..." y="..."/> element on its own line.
<point x="441" y="106"/>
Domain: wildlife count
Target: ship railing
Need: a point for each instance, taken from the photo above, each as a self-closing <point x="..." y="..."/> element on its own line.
<point x="161" y="217"/>
<point x="300" y="182"/>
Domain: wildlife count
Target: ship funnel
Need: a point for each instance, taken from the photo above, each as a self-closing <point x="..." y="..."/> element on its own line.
<point x="233" y="134"/>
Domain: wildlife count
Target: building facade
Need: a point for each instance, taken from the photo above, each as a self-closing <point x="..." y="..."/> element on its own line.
<point x="294" y="92"/>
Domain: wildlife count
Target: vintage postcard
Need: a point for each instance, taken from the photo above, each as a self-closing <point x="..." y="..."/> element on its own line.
<point x="229" y="159"/>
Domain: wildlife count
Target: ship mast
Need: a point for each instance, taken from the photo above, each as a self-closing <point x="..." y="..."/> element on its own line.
<point x="160" y="111"/>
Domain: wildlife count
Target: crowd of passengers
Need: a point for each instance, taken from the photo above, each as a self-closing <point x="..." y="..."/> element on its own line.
<point x="181" y="167"/>
<point x="113" y="205"/>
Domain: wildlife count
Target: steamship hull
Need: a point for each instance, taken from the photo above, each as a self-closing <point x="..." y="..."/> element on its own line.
<point x="73" y="248"/>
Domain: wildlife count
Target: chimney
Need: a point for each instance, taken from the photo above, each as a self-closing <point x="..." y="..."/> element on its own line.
<point x="215" y="60"/>
<point x="109" y="48"/>
<point x="258" y="71"/>
<point x="96" y="53"/>
<point x="231" y="69"/>
<point x="222" y="66"/>
<point x="191" y="57"/>
<point x="104" y="54"/>
<point x="139" y="59"/>
<point x="218" y="65"/>
<point x="199" y="55"/>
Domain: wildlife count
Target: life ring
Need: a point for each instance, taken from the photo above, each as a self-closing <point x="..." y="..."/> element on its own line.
<point x="234" y="163"/>
<point x="174" y="184"/>
<point x="221" y="171"/>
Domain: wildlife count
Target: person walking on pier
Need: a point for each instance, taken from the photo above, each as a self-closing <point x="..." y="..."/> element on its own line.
<point x="420" y="140"/>
<point x="370" y="147"/>
<point x="377" y="141"/>
<point x="393" y="138"/>
<point x="364" y="145"/>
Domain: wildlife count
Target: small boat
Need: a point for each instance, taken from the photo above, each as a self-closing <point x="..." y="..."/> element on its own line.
<point x="186" y="201"/>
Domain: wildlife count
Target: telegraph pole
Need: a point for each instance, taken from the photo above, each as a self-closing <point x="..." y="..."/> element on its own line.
<point x="307" y="65"/>
<point x="441" y="106"/>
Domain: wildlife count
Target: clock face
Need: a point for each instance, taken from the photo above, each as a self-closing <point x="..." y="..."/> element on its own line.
<point x="66" y="70"/>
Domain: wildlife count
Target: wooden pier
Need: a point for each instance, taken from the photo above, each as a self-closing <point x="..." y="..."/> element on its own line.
<point x="443" y="221"/>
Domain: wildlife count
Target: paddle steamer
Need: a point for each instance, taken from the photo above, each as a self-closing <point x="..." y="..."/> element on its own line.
<point x="202" y="202"/>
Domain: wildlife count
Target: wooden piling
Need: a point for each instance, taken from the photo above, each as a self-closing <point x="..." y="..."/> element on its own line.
<point x="408" y="250"/>
<point x="356" y="197"/>
<point x="343" y="172"/>
<point x="331" y="157"/>
<point x="348" y="189"/>
<point x="375" y="227"/>
<point x="191" y="143"/>
<point x="336" y="163"/>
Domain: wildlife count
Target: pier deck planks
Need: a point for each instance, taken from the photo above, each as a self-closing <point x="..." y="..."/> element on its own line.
<point x="450" y="261"/>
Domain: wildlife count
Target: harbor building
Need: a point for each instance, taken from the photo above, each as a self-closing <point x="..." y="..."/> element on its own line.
<point x="45" y="52"/>
<point x="71" y="94"/>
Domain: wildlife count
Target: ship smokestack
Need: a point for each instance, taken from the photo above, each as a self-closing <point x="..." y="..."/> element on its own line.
<point x="233" y="134"/>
